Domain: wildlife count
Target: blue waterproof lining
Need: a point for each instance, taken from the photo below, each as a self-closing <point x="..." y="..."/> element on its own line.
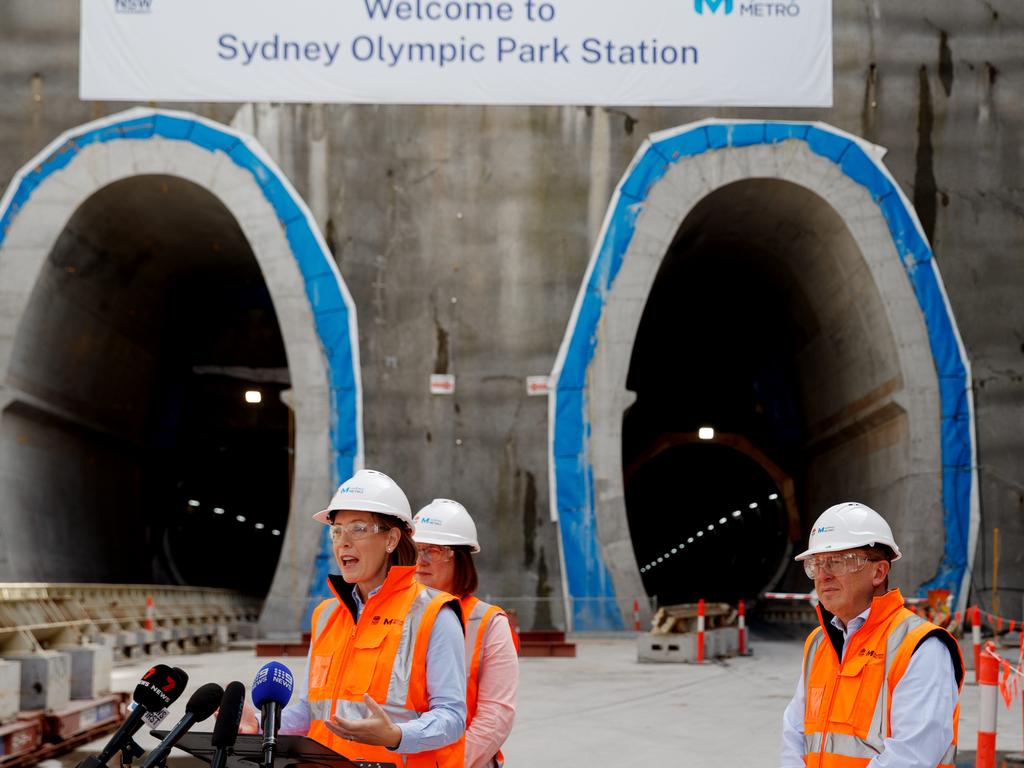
<point x="590" y="585"/>
<point x="330" y="312"/>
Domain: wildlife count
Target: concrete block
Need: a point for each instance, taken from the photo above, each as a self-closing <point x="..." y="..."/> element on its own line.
<point x="245" y="630"/>
<point x="91" y="667"/>
<point x="10" y="689"/>
<point x="221" y="636"/>
<point x="723" y="642"/>
<point x="129" y="639"/>
<point x="45" y="679"/>
<point x="667" y="648"/>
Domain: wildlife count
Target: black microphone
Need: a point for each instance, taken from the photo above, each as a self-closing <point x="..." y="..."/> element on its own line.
<point x="159" y="688"/>
<point x="202" y="704"/>
<point x="228" y="719"/>
<point x="271" y="690"/>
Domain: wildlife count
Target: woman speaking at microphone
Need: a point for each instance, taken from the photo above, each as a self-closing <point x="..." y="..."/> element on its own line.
<point x="387" y="670"/>
<point x="445" y="540"/>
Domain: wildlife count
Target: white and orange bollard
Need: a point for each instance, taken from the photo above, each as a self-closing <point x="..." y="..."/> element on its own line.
<point x="976" y="639"/>
<point x="700" y="631"/>
<point x="636" y="614"/>
<point x="988" y="690"/>
<point x="148" y="624"/>
<point x="741" y="620"/>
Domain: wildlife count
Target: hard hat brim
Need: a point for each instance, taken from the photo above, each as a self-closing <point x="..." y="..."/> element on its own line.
<point x="444" y="540"/>
<point x="324" y="515"/>
<point x="843" y="546"/>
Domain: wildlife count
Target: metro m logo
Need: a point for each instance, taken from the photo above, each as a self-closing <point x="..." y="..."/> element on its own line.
<point x="713" y="5"/>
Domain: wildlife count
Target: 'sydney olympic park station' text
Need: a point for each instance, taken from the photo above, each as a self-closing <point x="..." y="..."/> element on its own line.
<point x="392" y="48"/>
<point x="503" y="50"/>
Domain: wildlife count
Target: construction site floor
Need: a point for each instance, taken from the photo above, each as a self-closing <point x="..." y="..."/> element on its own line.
<point x="605" y="708"/>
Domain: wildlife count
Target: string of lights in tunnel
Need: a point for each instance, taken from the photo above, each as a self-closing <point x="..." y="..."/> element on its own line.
<point x="194" y="503"/>
<point x="698" y="535"/>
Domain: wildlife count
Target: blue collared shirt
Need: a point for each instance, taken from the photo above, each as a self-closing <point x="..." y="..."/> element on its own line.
<point x="440" y="725"/>
<point x="922" y="709"/>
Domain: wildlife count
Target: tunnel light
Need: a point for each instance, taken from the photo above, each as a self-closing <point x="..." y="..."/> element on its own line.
<point x="253" y="396"/>
<point x="773" y="497"/>
<point x="690" y="540"/>
<point x="711" y="527"/>
<point x="736" y="513"/>
<point x="674" y="550"/>
<point x="260" y="526"/>
<point x="699" y="534"/>
<point x="706" y="433"/>
<point x="218" y="510"/>
<point x="193" y="502"/>
<point x="753" y="505"/>
<point x="661" y="559"/>
<point x="240" y="518"/>
<point x="723" y="521"/>
<point x="682" y="546"/>
<point x="275" y="532"/>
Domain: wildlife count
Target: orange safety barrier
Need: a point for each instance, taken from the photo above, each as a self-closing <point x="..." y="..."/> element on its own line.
<point x="700" y="631"/>
<point x="988" y="691"/>
<point x="741" y="620"/>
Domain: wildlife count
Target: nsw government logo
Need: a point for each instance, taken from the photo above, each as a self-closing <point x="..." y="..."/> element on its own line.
<point x="756" y="9"/>
<point x="133" y="6"/>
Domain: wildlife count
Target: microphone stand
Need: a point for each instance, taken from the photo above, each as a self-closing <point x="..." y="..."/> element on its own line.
<point x="129" y="752"/>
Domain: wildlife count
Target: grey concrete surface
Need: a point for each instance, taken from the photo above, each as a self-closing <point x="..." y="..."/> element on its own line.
<point x="605" y="708"/>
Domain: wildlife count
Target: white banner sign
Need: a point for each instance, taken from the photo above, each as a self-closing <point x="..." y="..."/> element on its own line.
<point x="614" y="52"/>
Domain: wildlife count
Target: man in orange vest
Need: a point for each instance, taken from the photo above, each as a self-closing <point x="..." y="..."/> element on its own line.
<point x="880" y="685"/>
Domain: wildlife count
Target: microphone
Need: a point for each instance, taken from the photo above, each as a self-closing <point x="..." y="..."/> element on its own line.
<point x="271" y="690"/>
<point x="202" y="704"/>
<point x="158" y="689"/>
<point x="228" y="719"/>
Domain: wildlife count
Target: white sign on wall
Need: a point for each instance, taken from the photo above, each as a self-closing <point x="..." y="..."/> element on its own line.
<point x="614" y="52"/>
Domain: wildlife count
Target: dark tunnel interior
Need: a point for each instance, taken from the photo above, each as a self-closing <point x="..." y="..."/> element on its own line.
<point x="142" y="459"/>
<point x="716" y="347"/>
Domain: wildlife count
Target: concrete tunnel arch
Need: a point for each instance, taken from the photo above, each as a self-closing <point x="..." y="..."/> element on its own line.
<point x="928" y="392"/>
<point x="314" y="309"/>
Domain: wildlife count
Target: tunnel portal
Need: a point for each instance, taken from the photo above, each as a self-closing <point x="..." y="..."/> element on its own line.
<point x="762" y="323"/>
<point x="134" y="450"/>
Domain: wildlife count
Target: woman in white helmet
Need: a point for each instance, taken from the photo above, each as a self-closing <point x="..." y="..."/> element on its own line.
<point x="446" y="540"/>
<point x="387" y="674"/>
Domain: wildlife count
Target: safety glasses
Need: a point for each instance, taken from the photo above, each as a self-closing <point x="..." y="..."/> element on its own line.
<point x="357" y="530"/>
<point x="836" y="565"/>
<point x="433" y="553"/>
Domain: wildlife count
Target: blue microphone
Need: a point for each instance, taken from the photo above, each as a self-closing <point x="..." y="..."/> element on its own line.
<point x="271" y="690"/>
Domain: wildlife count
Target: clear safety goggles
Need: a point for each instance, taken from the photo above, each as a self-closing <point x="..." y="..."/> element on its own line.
<point x="836" y="565"/>
<point x="433" y="553"/>
<point x="356" y="531"/>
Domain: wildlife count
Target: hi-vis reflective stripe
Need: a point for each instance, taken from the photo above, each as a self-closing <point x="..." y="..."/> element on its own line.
<point x="401" y="672"/>
<point x="851" y="746"/>
<point x="320" y="710"/>
<point x="323" y="617"/>
<point x="357" y="710"/>
<point x="839" y="744"/>
<point x="874" y="741"/>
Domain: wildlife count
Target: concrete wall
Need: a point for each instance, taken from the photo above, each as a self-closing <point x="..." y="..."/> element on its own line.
<point x="463" y="234"/>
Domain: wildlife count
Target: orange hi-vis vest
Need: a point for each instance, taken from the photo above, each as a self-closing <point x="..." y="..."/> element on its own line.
<point x="383" y="654"/>
<point x="478" y="615"/>
<point x="848" y="703"/>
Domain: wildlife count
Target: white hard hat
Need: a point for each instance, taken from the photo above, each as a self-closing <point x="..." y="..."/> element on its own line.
<point x="369" y="491"/>
<point x="847" y="526"/>
<point x="445" y="522"/>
